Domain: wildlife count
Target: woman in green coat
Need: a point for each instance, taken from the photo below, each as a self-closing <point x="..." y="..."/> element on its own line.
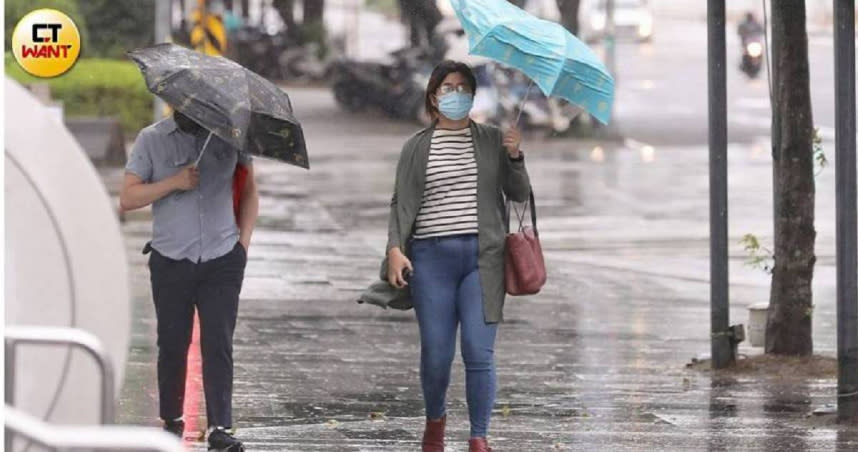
<point x="445" y="251"/>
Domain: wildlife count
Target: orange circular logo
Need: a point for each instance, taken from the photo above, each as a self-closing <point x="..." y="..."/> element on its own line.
<point x="46" y="43"/>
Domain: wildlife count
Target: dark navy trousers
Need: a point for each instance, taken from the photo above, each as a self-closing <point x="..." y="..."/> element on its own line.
<point x="212" y="288"/>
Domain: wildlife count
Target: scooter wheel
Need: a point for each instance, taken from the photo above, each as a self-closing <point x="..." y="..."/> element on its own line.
<point x="347" y="99"/>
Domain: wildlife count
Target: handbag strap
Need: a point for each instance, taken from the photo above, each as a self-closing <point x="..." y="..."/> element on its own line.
<point x="532" y="202"/>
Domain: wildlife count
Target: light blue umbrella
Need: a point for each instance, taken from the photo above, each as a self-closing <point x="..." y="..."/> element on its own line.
<point x="555" y="60"/>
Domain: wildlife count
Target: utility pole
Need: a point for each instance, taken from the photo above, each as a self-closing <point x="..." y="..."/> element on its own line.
<point x="611" y="44"/>
<point x="163" y="25"/>
<point x="353" y="44"/>
<point x="722" y="340"/>
<point x="847" y="253"/>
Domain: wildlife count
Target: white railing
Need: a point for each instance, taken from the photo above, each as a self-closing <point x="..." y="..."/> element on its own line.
<point x="68" y="438"/>
<point x="90" y="438"/>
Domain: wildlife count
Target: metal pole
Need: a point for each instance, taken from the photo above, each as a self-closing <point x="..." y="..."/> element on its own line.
<point x="847" y="225"/>
<point x="351" y="25"/>
<point x="9" y="389"/>
<point x="611" y="28"/>
<point x="523" y="101"/>
<point x="163" y="26"/>
<point x="722" y="354"/>
<point x="610" y="39"/>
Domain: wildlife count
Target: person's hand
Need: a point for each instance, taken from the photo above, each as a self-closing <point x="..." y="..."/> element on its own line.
<point x="245" y="244"/>
<point x="512" y="141"/>
<point x="187" y="178"/>
<point x="397" y="263"/>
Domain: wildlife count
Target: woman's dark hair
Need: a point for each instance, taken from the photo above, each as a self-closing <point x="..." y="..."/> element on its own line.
<point x="441" y="71"/>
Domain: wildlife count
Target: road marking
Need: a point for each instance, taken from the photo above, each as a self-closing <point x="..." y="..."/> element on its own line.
<point x="765" y="122"/>
<point x="753" y="103"/>
<point x="748" y="119"/>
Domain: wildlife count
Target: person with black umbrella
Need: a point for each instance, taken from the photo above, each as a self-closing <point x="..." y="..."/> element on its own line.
<point x="195" y="169"/>
<point x="198" y="255"/>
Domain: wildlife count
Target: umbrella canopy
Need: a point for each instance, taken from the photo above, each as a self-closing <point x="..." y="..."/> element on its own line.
<point x="236" y="104"/>
<point x="558" y="62"/>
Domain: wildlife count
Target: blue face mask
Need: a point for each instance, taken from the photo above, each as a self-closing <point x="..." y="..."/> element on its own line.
<point x="455" y="105"/>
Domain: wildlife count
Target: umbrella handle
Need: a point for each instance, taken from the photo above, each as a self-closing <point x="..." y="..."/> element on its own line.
<point x="203" y="151"/>
<point x="523" y="101"/>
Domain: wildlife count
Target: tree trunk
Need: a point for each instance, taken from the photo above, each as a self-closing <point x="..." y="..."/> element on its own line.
<point x="286" y="10"/>
<point x="569" y="14"/>
<point x="245" y="10"/>
<point x="314" y="11"/>
<point x="788" y="331"/>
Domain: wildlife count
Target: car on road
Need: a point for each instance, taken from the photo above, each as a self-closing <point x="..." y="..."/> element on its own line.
<point x="632" y="20"/>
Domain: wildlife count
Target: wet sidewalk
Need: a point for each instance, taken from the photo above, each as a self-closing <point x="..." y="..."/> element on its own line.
<point x="595" y="362"/>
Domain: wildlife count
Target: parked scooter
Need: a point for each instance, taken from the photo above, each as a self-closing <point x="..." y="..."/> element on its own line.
<point x="396" y="87"/>
<point x="538" y="112"/>
<point x="302" y="63"/>
<point x="281" y="57"/>
<point x="260" y="51"/>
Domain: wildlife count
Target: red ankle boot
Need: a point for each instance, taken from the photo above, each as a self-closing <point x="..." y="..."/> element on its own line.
<point x="433" y="436"/>
<point x="478" y="445"/>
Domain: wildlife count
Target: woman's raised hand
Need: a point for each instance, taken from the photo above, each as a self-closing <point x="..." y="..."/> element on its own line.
<point x="512" y="141"/>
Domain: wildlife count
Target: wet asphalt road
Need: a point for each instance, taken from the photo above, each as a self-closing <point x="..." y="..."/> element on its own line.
<point x="595" y="362"/>
<point x="662" y="87"/>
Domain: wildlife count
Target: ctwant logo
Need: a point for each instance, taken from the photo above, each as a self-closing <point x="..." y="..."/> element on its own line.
<point x="46" y="43"/>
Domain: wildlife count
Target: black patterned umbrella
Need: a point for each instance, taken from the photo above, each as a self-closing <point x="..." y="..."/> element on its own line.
<point x="234" y="103"/>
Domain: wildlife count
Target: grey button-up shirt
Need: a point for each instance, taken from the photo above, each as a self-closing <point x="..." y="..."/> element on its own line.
<point x="198" y="224"/>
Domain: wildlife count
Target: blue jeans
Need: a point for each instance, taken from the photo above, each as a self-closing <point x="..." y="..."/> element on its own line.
<point x="446" y="292"/>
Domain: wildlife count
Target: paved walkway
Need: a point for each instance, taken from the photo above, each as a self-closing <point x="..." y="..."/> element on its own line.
<point x="595" y="362"/>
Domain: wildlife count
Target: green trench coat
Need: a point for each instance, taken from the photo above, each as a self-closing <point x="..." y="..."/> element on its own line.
<point x="497" y="176"/>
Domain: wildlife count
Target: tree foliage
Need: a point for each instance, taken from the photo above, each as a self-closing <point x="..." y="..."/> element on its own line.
<point x="118" y="26"/>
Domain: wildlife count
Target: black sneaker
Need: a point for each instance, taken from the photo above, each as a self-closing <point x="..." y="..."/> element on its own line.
<point x="221" y="441"/>
<point x="175" y="427"/>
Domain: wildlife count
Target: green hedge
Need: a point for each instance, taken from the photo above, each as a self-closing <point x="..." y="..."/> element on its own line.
<point x="97" y="87"/>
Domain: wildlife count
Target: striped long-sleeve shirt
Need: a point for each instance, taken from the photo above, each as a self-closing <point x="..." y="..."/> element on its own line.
<point x="449" y="204"/>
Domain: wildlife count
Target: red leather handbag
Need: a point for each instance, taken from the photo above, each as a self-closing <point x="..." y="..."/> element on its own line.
<point x="524" y="265"/>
